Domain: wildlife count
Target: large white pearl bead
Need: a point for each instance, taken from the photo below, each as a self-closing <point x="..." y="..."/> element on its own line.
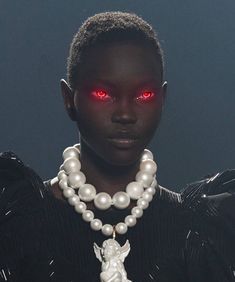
<point x="61" y="175"/>
<point x="70" y="152"/>
<point x="121" y="200"/>
<point x="80" y="207"/>
<point x="151" y="190"/>
<point x="63" y="184"/>
<point x="87" y="192"/>
<point x="76" y="179"/>
<point x="137" y="212"/>
<point x="143" y="204"/>
<point x="130" y="220"/>
<point x="148" y="166"/>
<point x="144" y="177"/>
<point x="107" y="229"/>
<point x="69" y="192"/>
<point x="74" y="200"/>
<point x="134" y="190"/>
<point x="121" y="228"/>
<point x="103" y="201"/>
<point x="147" y="196"/>
<point x="147" y="155"/>
<point x="96" y="224"/>
<point x="88" y="215"/>
<point x="71" y="165"/>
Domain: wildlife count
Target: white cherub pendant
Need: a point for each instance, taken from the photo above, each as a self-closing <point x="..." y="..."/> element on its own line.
<point x="112" y="257"/>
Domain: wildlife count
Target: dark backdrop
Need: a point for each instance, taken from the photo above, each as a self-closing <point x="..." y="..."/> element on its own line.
<point x="196" y="136"/>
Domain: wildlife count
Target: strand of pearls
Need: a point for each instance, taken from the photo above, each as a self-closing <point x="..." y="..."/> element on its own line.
<point x="71" y="179"/>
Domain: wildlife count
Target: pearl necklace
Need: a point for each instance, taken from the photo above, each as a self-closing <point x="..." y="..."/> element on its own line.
<point x="71" y="178"/>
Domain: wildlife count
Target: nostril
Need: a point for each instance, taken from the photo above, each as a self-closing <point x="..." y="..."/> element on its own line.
<point x="124" y="119"/>
<point x="124" y="116"/>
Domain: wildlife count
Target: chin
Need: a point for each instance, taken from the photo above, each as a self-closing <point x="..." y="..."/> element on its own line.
<point x="121" y="157"/>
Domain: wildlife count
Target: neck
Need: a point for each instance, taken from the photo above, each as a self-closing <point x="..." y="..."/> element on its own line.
<point x="104" y="176"/>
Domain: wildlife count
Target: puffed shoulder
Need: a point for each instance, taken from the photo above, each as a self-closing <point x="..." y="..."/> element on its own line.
<point x="20" y="187"/>
<point x="211" y="236"/>
<point x="213" y="196"/>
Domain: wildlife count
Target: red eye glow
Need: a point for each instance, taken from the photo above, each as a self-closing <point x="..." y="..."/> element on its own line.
<point x="100" y="94"/>
<point x="146" y="95"/>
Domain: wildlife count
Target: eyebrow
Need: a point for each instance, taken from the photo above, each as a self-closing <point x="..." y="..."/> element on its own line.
<point x="104" y="81"/>
<point x="141" y="84"/>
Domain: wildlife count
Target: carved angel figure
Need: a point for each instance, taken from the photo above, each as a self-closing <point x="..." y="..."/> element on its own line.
<point x="112" y="256"/>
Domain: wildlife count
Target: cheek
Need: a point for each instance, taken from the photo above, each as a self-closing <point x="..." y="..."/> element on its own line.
<point x="152" y="115"/>
<point x="91" y="121"/>
<point x="150" y="121"/>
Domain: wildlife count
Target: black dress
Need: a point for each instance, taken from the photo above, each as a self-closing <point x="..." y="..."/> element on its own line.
<point x="182" y="237"/>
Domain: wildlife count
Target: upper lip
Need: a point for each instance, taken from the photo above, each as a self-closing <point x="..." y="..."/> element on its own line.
<point x="125" y="135"/>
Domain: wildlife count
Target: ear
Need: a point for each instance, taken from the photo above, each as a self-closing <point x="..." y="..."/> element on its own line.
<point x="68" y="98"/>
<point x="164" y="90"/>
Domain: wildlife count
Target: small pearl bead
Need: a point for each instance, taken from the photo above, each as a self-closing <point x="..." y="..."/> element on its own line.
<point x="74" y="200"/>
<point x="142" y="203"/>
<point x="70" y="152"/>
<point x="78" y="147"/>
<point x="121" y="200"/>
<point x="69" y="192"/>
<point x="145" y="178"/>
<point x="96" y="224"/>
<point x="103" y="201"/>
<point x="63" y="184"/>
<point x="154" y="183"/>
<point x="87" y="192"/>
<point x="134" y="190"/>
<point x="130" y="220"/>
<point x="76" y="179"/>
<point x="147" y="196"/>
<point x="107" y="229"/>
<point x="88" y="215"/>
<point x="61" y="175"/>
<point x="71" y="165"/>
<point x="148" y="166"/>
<point x="80" y="207"/>
<point x="121" y="228"/>
<point x="151" y="190"/>
<point x="147" y="155"/>
<point x="137" y="212"/>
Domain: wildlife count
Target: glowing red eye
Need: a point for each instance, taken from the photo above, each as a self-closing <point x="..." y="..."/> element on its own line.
<point x="147" y="95"/>
<point x="100" y="94"/>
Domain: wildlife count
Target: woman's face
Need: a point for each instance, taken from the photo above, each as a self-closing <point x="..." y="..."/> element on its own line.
<point x="120" y="96"/>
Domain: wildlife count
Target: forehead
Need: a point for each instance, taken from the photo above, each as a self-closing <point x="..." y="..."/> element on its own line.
<point x="121" y="62"/>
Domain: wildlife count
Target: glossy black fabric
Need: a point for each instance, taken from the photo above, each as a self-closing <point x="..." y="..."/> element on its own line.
<point x="186" y="237"/>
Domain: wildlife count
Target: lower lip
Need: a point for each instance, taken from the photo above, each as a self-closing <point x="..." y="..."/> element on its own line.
<point x="123" y="143"/>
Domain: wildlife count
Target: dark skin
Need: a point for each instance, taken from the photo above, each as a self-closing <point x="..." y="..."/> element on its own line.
<point x="124" y="72"/>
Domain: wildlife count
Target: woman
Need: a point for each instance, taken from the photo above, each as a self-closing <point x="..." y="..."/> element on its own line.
<point x="104" y="217"/>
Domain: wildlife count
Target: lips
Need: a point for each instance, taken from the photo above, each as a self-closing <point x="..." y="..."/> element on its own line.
<point x="122" y="143"/>
<point x="124" y="135"/>
<point x="123" y="139"/>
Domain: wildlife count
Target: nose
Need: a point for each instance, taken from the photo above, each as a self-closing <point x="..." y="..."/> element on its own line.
<point x="124" y="113"/>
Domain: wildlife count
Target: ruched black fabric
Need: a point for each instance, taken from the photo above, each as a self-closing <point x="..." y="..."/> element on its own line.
<point x="182" y="237"/>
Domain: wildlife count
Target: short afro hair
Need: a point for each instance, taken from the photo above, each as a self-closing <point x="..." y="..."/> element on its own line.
<point x="109" y="27"/>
